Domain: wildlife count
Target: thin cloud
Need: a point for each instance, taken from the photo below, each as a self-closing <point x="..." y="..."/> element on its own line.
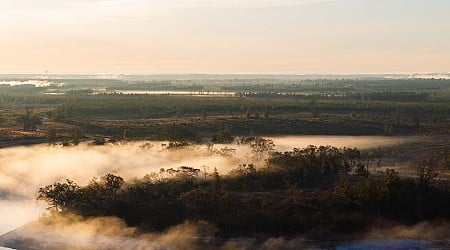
<point x="245" y="3"/>
<point x="64" y="4"/>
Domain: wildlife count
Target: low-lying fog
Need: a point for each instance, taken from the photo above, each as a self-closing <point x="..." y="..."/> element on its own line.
<point x="36" y="83"/>
<point x="286" y="143"/>
<point x="74" y="232"/>
<point x="23" y="170"/>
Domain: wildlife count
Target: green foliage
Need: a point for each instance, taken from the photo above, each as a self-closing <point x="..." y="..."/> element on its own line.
<point x="51" y="136"/>
<point x="180" y="136"/>
<point x="310" y="164"/>
<point x="426" y="170"/>
<point x="60" y="196"/>
<point x="379" y="106"/>
<point x="446" y="159"/>
<point x="125" y="134"/>
<point x="388" y="129"/>
<point x="260" y="146"/>
<point x="75" y="135"/>
<point x="223" y="136"/>
<point x="155" y="203"/>
<point x="29" y="121"/>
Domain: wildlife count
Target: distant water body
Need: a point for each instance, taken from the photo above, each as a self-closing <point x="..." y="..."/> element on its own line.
<point x="170" y="92"/>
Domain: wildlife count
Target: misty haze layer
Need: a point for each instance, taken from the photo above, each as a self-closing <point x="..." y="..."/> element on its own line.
<point x="23" y="170"/>
<point x="71" y="231"/>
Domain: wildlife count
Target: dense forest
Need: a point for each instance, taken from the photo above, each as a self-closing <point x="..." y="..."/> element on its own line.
<point x="97" y="108"/>
<point x="319" y="191"/>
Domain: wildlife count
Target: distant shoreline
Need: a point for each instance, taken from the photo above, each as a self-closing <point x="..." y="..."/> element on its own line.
<point x="22" y="142"/>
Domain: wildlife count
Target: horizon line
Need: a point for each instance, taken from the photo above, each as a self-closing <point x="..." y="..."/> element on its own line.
<point x="229" y="73"/>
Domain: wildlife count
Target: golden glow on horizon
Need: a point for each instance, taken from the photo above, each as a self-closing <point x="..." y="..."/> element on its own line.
<point x="224" y="36"/>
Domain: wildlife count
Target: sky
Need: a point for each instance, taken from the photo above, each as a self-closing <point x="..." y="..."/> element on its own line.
<point x="224" y="36"/>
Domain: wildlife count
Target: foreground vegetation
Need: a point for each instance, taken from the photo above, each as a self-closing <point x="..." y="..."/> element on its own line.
<point x="320" y="191"/>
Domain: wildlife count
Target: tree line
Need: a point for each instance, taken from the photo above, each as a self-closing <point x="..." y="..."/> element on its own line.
<point x="316" y="190"/>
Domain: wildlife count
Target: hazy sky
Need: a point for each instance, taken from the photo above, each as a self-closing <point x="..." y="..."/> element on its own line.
<point x="224" y="36"/>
